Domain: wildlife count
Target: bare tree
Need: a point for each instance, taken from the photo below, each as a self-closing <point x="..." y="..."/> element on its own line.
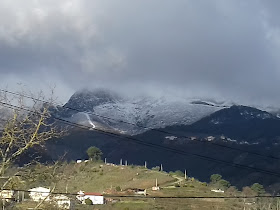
<point x="29" y="124"/>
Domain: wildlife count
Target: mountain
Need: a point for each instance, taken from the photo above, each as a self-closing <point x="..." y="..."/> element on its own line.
<point x="240" y="122"/>
<point x="241" y="127"/>
<point x="132" y="115"/>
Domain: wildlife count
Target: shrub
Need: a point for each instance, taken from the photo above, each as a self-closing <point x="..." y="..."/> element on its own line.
<point x="94" y="170"/>
<point x="215" y="178"/>
<point x="118" y="188"/>
<point x="171" y="173"/>
<point x="179" y="173"/>
<point x="204" y="184"/>
<point x="258" y="188"/>
<point x="157" y="168"/>
<point x="88" y="201"/>
<point x="232" y="190"/>
<point x="224" y="183"/>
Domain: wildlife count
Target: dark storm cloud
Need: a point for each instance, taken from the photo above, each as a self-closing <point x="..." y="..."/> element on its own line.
<point x="225" y="49"/>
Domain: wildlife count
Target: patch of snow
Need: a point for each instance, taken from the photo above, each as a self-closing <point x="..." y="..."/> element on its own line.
<point x="244" y="142"/>
<point x="171" y="137"/>
<point x="89" y="120"/>
<point x="215" y="122"/>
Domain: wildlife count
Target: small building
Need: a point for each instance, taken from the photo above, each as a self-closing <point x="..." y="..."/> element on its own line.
<point x="218" y="191"/>
<point x="171" y="137"/>
<point x="137" y="191"/>
<point x="96" y="198"/>
<point x="8" y="195"/>
<point x="156" y="187"/>
<point x="210" y="138"/>
<point x="39" y="193"/>
<point x="63" y="202"/>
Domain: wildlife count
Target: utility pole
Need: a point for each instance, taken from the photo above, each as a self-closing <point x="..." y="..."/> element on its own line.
<point x="105" y="160"/>
<point x="126" y="163"/>
<point x="121" y="162"/>
<point x="185" y="174"/>
<point x="145" y="164"/>
<point x="161" y="168"/>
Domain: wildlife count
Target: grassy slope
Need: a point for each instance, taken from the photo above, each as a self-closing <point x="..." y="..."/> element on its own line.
<point x="98" y="177"/>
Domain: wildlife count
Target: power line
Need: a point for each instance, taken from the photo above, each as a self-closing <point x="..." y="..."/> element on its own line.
<point x="153" y="145"/>
<point x="150" y="197"/>
<point x="144" y="127"/>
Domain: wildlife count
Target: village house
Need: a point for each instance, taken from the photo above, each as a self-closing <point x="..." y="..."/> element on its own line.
<point x="96" y="198"/>
<point x="210" y="138"/>
<point x="8" y="195"/>
<point x="63" y="202"/>
<point x="193" y="138"/>
<point x="218" y="191"/>
<point x="156" y="187"/>
<point x="137" y="191"/>
<point x="39" y="193"/>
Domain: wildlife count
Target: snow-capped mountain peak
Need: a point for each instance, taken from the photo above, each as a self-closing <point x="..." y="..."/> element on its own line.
<point x="132" y="115"/>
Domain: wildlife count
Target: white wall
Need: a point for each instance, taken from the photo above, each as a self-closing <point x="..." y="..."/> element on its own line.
<point x="95" y="199"/>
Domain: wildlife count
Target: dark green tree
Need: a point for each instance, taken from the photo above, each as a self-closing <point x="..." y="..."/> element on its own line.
<point x="224" y="184"/>
<point x="94" y="153"/>
<point x="215" y="178"/>
<point x="258" y="188"/>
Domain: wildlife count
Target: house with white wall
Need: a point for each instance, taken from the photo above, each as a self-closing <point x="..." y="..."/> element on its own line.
<point x="39" y="193"/>
<point x="8" y="195"/>
<point x="63" y="202"/>
<point x="96" y="198"/>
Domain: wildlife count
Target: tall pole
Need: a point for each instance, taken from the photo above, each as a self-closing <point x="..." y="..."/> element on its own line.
<point x="156" y="182"/>
<point x="126" y="162"/>
<point x="121" y="162"/>
<point x="185" y="174"/>
<point x="105" y="160"/>
<point x="161" y="168"/>
<point x="145" y="164"/>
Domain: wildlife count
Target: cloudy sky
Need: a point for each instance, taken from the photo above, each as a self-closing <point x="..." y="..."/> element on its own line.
<point x="193" y="48"/>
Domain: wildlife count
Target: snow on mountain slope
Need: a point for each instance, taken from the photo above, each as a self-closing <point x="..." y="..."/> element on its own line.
<point x="103" y="108"/>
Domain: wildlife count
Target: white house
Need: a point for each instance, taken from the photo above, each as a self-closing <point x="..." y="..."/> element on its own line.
<point x="39" y="193"/>
<point x="8" y="195"/>
<point x="210" y="138"/>
<point x="96" y="198"/>
<point x="63" y="202"/>
<point x="218" y="191"/>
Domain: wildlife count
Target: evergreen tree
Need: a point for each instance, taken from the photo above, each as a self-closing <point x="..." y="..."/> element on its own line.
<point x="94" y="153"/>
